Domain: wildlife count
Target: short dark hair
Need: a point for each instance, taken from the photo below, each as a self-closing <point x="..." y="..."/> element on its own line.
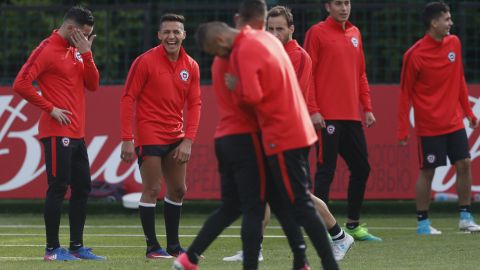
<point x="205" y="31"/>
<point x="172" y="17"/>
<point x="80" y="16"/>
<point x="283" y="11"/>
<point x="252" y="9"/>
<point x="432" y="11"/>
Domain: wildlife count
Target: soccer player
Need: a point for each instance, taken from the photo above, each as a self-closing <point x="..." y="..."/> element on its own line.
<point x="159" y="83"/>
<point x="340" y="85"/>
<point x="63" y="66"/>
<point x="287" y="131"/>
<point x="433" y="82"/>
<point x="280" y="24"/>
<point x="242" y="169"/>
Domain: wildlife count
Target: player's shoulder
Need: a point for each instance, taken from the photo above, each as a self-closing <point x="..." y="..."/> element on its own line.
<point x="146" y="56"/>
<point x="318" y="27"/>
<point x="452" y="39"/>
<point x="190" y="61"/>
<point x="415" y="49"/>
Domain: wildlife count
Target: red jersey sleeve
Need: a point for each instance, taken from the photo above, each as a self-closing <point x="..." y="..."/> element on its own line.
<point x="133" y="87"/>
<point x="194" y="105"/>
<point x="407" y="81"/>
<point x="247" y="66"/>
<point x="463" y="97"/>
<point x="37" y="63"/>
<point x="91" y="76"/>
<point x="312" y="48"/>
<point x="364" y="88"/>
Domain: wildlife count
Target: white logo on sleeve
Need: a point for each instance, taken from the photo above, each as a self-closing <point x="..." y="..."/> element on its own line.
<point x="65" y="141"/>
<point x="355" y="42"/>
<point x="331" y="129"/>
<point x="451" y="56"/>
<point x="431" y="158"/>
<point x="184" y="75"/>
<point x="78" y="56"/>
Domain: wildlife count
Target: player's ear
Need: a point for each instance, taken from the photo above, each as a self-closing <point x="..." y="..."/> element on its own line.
<point x="292" y="28"/>
<point x="236" y="19"/>
<point x="221" y="40"/>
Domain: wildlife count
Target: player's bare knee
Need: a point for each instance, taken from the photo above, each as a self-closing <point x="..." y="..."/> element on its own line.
<point x="151" y="191"/>
<point x="177" y="194"/>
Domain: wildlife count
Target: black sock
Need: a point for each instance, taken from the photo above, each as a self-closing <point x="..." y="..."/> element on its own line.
<point x="52" y="213"/>
<point x="74" y="245"/>
<point x="299" y="258"/>
<point x="171" y="214"/>
<point x="464" y="208"/>
<point x="77" y="215"/>
<point x="147" y="216"/>
<point x="193" y="257"/>
<point x="336" y="232"/>
<point x="352" y="225"/>
<point x="422" y="215"/>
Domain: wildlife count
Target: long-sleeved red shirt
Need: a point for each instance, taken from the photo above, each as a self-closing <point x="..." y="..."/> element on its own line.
<point x="268" y="83"/>
<point x="62" y="74"/>
<point x="340" y="79"/>
<point x="433" y="82"/>
<point x="302" y="63"/>
<point x="234" y="118"/>
<point x="159" y="88"/>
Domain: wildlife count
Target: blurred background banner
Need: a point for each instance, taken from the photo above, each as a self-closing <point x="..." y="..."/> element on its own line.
<point x="127" y="28"/>
<point x="393" y="176"/>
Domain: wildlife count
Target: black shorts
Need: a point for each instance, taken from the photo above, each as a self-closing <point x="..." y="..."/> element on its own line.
<point x="157" y="150"/>
<point x="433" y="150"/>
<point x="290" y="174"/>
<point x="66" y="162"/>
<point x="241" y="164"/>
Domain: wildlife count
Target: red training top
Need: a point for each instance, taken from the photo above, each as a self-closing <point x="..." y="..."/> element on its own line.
<point x="267" y="82"/>
<point x="433" y="81"/>
<point x="302" y="63"/>
<point x="62" y="74"/>
<point x="338" y="70"/>
<point x="160" y="89"/>
<point x="234" y="118"/>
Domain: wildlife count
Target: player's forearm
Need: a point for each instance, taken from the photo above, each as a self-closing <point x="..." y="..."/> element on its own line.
<point x="90" y="72"/>
<point x="25" y="89"/>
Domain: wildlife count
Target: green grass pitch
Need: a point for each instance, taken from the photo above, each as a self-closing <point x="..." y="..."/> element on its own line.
<point x="119" y="237"/>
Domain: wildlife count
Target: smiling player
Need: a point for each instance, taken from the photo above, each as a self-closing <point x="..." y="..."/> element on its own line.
<point x="159" y="83"/>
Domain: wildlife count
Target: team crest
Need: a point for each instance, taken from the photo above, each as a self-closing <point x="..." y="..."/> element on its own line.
<point x="230" y="81"/>
<point x="78" y="56"/>
<point x="330" y="129"/>
<point x="355" y="42"/>
<point x="184" y="75"/>
<point x="65" y="141"/>
<point x="431" y="159"/>
<point x="451" y="56"/>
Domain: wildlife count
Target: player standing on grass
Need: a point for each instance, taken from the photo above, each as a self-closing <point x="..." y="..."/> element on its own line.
<point x="63" y="66"/>
<point x="159" y="83"/>
<point x="244" y="178"/>
<point x="287" y="131"/>
<point x="280" y="24"/>
<point x="433" y="82"/>
<point x="340" y="85"/>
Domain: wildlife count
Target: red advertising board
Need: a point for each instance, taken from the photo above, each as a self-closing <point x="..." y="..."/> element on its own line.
<point x="22" y="170"/>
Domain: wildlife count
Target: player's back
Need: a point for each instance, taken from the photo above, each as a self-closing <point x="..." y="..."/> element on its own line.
<point x="267" y="80"/>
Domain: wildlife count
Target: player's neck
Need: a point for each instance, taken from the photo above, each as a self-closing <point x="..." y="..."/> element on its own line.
<point x="62" y="32"/>
<point x="435" y="36"/>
